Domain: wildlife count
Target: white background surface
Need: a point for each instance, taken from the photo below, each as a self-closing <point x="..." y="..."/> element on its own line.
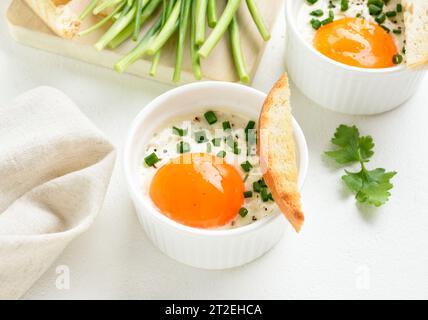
<point x="341" y="246"/>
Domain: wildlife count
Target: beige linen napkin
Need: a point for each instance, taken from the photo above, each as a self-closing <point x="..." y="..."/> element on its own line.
<point x="55" y="167"/>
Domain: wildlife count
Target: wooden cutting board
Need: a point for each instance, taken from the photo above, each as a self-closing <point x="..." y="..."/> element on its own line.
<point x="28" y="29"/>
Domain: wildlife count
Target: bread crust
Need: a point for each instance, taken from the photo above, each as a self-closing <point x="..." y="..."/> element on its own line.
<point x="416" y="28"/>
<point x="276" y="149"/>
<point x="57" y="15"/>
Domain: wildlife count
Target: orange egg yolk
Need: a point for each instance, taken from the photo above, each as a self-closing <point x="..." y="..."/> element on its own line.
<point x="198" y="190"/>
<point x="356" y="42"/>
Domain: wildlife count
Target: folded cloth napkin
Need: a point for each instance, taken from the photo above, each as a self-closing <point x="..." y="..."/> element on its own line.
<point x="55" y="167"/>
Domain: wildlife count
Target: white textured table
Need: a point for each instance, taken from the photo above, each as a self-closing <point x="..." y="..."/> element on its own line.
<point x="342" y="252"/>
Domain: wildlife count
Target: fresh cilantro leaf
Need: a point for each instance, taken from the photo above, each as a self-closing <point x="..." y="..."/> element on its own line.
<point x="366" y="146"/>
<point x="370" y="187"/>
<point x="351" y="147"/>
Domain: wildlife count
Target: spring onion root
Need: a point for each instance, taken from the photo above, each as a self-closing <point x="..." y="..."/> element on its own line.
<point x="221" y="27"/>
<point x="258" y="20"/>
<point x="238" y="56"/>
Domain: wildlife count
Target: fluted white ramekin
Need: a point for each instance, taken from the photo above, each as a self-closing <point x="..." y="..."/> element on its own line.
<point x="209" y="249"/>
<point x="339" y="87"/>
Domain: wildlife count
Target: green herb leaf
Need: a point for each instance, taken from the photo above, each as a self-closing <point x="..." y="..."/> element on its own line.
<point x="371" y="187"/>
<point x="351" y="147"/>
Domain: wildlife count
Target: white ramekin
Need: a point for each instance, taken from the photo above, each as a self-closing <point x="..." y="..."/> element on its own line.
<point x="339" y="87"/>
<point x="209" y="249"/>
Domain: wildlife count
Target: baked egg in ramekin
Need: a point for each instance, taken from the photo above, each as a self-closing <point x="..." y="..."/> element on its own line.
<point x="350" y="55"/>
<point x="163" y="157"/>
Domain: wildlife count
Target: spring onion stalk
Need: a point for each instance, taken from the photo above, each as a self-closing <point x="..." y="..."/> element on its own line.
<point x="167" y="30"/>
<point x="221" y="27"/>
<point x="212" y="13"/>
<point x="149" y="9"/>
<point x="182" y="34"/>
<point x="238" y="56"/>
<point x="101" y="22"/>
<point x="196" y="63"/>
<point x="137" y="25"/>
<point x="155" y="62"/>
<point x="201" y="14"/>
<point x="258" y="20"/>
<point x="126" y="33"/>
<point x="126" y="17"/>
<point x="165" y="14"/>
<point x="88" y="9"/>
<point x="105" y="4"/>
<point x="139" y="50"/>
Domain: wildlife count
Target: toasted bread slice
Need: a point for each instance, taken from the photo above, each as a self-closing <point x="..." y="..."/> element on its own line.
<point x="277" y="152"/>
<point x="416" y="25"/>
<point x="58" y="15"/>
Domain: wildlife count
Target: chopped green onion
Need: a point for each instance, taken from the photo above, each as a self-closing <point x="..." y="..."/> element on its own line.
<point x="250" y="125"/>
<point x="396" y="31"/>
<point x="201" y="137"/>
<point x="248" y="194"/>
<point x="344" y="5"/>
<point x="216" y="142"/>
<point x="209" y="147"/>
<point x="246" y="177"/>
<point x="221" y="154"/>
<point x="397" y="59"/>
<point x="257" y="187"/>
<point x="380" y="18"/>
<point x="385" y="28"/>
<point x="230" y="141"/>
<point x="271" y="197"/>
<point x="317" y="13"/>
<point x="329" y="19"/>
<point x="263" y="183"/>
<point x="391" y="14"/>
<point x="226" y="125"/>
<point x="243" y="212"/>
<point x="316" y="24"/>
<point x="264" y="194"/>
<point x="179" y="132"/>
<point x="210" y="117"/>
<point x="246" y="166"/>
<point x="151" y="159"/>
<point x="312" y="1"/>
<point x="374" y="10"/>
<point x="399" y="7"/>
<point x="236" y="150"/>
<point x="183" y="147"/>
<point x="377" y="3"/>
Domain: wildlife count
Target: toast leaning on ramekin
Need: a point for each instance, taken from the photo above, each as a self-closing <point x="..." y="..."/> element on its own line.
<point x="416" y="25"/>
<point x="276" y="149"/>
<point x="57" y="15"/>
